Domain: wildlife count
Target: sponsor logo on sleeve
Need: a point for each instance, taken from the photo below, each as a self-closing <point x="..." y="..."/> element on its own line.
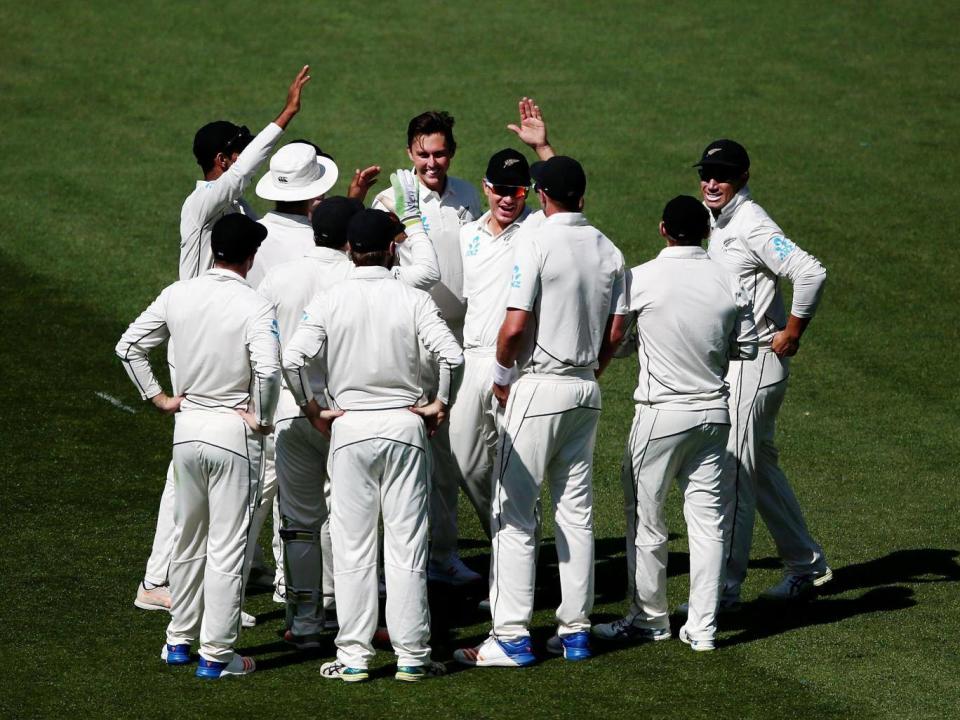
<point x="782" y="247"/>
<point x="515" y="283"/>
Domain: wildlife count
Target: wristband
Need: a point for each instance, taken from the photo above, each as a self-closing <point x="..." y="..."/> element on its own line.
<point x="504" y="375"/>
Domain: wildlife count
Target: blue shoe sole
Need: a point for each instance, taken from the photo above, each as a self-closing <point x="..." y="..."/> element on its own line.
<point x="208" y="673"/>
<point x="176" y="659"/>
<point x="575" y="654"/>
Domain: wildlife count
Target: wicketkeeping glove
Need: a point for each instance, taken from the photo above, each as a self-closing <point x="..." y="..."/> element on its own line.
<point x="406" y="195"/>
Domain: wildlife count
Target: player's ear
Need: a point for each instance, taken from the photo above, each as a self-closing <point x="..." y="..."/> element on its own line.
<point x="410" y="154"/>
<point x="663" y="230"/>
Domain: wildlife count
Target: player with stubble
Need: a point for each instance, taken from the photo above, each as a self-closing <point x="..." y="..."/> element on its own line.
<point x="749" y="244"/>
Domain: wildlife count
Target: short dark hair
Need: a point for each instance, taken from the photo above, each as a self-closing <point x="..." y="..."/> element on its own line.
<point x="370" y="259"/>
<point x="429" y="123"/>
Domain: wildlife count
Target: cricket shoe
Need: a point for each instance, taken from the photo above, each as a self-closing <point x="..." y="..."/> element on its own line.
<point x="575" y="646"/>
<point x="416" y="673"/>
<point x="155" y="598"/>
<point x="175" y="654"/>
<point x="623" y="630"/>
<point x="336" y="670"/>
<point x="797" y="587"/>
<point x="302" y="642"/>
<point x="212" y="670"/>
<point x="484" y="605"/>
<point x="247" y="620"/>
<point x="726" y="606"/>
<point x="497" y="653"/>
<point x="280" y="594"/>
<point x="452" y="572"/>
<point x="696" y="645"/>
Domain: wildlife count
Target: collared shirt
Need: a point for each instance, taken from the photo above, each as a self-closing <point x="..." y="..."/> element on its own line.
<point x="571" y="277"/>
<point x="212" y="199"/>
<point x="692" y="317"/>
<point x="370" y="327"/>
<point x="753" y="247"/>
<point x="229" y="333"/>
<point x="487" y="261"/>
<point x="442" y="216"/>
<point x="288" y="237"/>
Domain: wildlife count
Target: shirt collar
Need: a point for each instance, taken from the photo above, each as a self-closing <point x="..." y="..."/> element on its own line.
<point x="681" y="252"/>
<point x="567" y="218"/>
<point x="370" y="272"/>
<point x="509" y="229"/>
<point x="228" y="274"/>
<point x="731" y="207"/>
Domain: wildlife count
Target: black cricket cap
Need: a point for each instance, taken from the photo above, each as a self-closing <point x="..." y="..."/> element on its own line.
<point x="561" y="178"/>
<point x="235" y="237"/>
<point x="330" y="219"/>
<point x="219" y="136"/>
<point x="508" y="167"/>
<point x="686" y="220"/>
<point x="726" y="153"/>
<point x="372" y="231"/>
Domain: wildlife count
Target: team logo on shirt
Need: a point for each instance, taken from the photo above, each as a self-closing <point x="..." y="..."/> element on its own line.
<point x="782" y="247"/>
<point x="426" y="225"/>
<point x="474" y="247"/>
<point x="275" y="329"/>
<point x="515" y="283"/>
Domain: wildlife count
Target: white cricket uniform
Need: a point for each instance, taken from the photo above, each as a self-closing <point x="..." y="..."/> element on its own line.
<point x="301" y="450"/>
<point x="571" y="278"/>
<point x="209" y="201"/>
<point x="368" y="328"/>
<point x="692" y="318"/>
<point x="289" y="237"/>
<point x="487" y="266"/>
<point x="754" y="248"/>
<point x="443" y="215"/>
<point x="229" y="359"/>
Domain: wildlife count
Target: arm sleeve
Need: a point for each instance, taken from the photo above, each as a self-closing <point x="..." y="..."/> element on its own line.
<point x="743" y="338"/>
<point x="525" y="281"/>
<point x="383" y="201"/>
<point x="263" y="344"/>
<point x="423" y="270"/>
<point x="306" y="343"/>
<point x="144" y="334"/>
<point x="787" y="259"/>
<point x="437" y="338"/>
<point x="618" y="298"/>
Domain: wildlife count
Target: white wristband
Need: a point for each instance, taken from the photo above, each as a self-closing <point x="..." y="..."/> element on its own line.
<point x="504" y="375"/>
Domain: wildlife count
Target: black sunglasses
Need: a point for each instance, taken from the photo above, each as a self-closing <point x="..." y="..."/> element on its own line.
<point x="720" y="173"/>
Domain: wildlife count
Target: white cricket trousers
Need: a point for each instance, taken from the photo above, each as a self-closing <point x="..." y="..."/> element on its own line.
<point x="268" y="505"/>
<point x="158" y="564"/>
<point x="666" y="445"/>
<point x="303" y="498"/>
<point x="757" y="389"/>
<point x="217" y="463"/>
<point x="474" y="432"/>
<point x="378" y="464"/>
<point x="550" y="428"/>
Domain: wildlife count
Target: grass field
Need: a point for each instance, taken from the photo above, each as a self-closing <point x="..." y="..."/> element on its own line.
<point x="850" y="111"/>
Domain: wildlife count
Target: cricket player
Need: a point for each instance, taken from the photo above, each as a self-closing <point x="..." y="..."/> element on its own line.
<point x="692" y="317"/>
<point x="227" y="357"/>
<point x="368" y="328"/>
<point x="228" y="157"/>
<point x="446" y="204"/>
<point x="749" y="244"/>
<point x="301" y="453"/>
<point x="565" y="316"/>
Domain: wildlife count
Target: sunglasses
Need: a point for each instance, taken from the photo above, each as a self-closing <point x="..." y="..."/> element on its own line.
<point x="719" y="173"/>
<point x="514" y="191"/>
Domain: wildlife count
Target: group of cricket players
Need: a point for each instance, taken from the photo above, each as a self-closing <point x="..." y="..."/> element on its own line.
<point x="348" y="367"/>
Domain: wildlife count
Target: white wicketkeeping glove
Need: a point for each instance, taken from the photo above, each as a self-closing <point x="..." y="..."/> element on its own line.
<point x="406" y="195"/>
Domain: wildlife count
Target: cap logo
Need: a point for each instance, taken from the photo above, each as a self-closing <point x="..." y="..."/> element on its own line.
<point x="282" y="179"/>
<point x="712" y="151"/>
<point x="510" y="161"/>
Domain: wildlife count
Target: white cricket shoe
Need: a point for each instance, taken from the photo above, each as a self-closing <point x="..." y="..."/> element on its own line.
<point x="696" y="645"/>
<point x="156" y="598"/>
<point x="623" y="630"/>
<point x="452" y="572"/>
<point x="280" y="594"/>
<point x="247" y="620"/>
<point x="497" y="653"/>
<point x="796" y="587"/>
<point x="336" y="670"/>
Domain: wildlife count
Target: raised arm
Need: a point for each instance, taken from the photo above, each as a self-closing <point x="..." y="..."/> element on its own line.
<point x="532" y="130"/>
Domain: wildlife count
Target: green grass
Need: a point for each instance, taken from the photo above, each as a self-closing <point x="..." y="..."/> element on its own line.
<point x="850" y="111"/>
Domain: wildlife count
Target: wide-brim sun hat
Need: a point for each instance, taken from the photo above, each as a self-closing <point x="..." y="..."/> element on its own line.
<point x="296" y="173"/>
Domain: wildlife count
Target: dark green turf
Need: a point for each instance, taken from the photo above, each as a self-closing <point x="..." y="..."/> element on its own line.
<point x="850" y="111"/>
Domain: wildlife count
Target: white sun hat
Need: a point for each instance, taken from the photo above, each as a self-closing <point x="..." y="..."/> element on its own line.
<point x="297" y="173"/>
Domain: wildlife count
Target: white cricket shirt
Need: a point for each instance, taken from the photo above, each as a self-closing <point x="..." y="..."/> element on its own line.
<point x="753" y="247"/>
<point x="370" y="327"/>
<point x="487" y="263"/>
<point x="571" y="277"/>
<point x="212" y="199"/>
<point x="692" y="318"/>
<point x="442" y="216"/>
<point x="229" y="335"/>
<point x="288" y="237"/>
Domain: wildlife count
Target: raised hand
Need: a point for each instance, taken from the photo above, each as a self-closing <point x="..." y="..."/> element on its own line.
<point x="293" y="97"/>
<point x="532" y="130"/>
<point x="362" y="181"/>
